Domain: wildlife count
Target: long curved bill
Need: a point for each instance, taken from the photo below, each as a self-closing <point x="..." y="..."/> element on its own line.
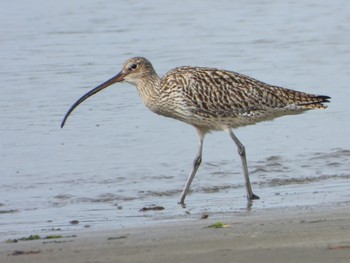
<point x="117" y="78"/>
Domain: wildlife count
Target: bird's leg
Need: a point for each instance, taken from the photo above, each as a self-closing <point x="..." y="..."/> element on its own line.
<point x="197" y="161"/>
<point x="242" y="154"/>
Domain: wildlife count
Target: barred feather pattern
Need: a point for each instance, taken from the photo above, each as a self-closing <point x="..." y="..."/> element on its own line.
<point x="209" y="99"/>
<point x="215" y="99"/>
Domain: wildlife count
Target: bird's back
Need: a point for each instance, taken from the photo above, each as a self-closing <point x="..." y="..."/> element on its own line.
<point x="216" y="98"/>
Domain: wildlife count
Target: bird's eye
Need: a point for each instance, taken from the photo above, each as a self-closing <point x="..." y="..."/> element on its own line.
<point x="133" y="66"/>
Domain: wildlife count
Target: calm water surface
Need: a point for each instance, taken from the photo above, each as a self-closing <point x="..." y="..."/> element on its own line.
<point x="115" y="157"/>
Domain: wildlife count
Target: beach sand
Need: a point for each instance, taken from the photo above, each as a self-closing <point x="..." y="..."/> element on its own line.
<point x="302" y="234"/>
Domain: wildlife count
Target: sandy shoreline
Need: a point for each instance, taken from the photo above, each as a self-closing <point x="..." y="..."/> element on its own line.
<point x="311" y="234"/>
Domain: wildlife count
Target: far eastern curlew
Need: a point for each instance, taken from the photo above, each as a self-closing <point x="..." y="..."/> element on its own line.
<point x="209" y="99"/>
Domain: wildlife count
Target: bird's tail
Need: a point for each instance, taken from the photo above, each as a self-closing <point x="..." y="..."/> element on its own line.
<point x="302" y="100"/>
<point x="310" y="101"/>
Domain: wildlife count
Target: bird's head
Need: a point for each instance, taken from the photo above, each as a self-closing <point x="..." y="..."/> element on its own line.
<point x="132" y="72"/>
<point x="135" y="69"/>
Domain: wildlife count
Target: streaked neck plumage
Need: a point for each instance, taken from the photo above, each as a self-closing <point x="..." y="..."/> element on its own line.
<point x="148" y="88"/>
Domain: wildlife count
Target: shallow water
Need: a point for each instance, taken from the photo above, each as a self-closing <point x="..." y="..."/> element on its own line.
<point x="115" y="157"/>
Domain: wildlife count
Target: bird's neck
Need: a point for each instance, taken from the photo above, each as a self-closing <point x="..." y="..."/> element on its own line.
<point x="149" y="90"/>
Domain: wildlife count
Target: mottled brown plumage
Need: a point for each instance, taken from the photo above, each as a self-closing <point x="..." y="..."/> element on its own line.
<point x="210" y="99"/>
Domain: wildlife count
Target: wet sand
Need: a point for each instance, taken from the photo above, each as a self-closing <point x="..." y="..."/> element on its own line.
<point x="302" y="234"/>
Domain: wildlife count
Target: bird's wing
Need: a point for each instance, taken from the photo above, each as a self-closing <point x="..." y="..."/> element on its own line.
<point x="225" y="93"/>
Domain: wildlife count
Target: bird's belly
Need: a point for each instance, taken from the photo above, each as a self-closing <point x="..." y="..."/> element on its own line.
<point x="210" y="122"/>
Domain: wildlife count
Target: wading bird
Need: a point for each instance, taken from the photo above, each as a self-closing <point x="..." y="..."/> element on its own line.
<point x="209" y="99"/>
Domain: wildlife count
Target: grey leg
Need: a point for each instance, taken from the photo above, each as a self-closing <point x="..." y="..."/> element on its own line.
<point x="241" y="152"/>
<point x="197" y="161"/>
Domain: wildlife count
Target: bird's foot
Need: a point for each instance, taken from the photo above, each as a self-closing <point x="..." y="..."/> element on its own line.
<point x="253" y="197"/>
<point x="182" y="203"/>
